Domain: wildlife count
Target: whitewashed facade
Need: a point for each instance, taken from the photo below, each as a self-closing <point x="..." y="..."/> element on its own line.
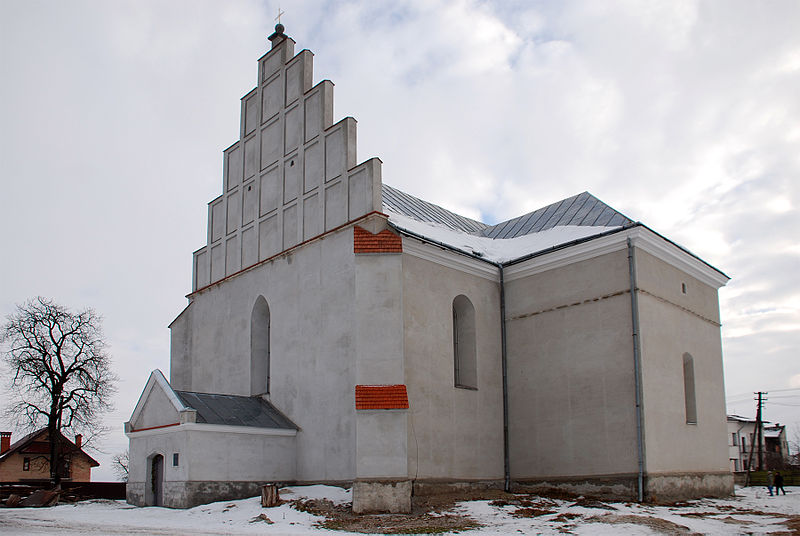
<point x="598" y="345"/>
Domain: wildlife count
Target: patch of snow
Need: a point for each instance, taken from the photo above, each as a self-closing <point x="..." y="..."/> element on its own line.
<point x="332" y="493"/>
<point x="737" y="515"/>
<point x="497" y="249"/>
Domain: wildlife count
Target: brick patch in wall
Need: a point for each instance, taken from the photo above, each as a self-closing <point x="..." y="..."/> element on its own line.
<point x="383" y="242"/>
<point x="381" y="397"/>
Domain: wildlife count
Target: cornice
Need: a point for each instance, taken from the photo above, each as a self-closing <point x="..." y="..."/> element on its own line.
<point x="661" y="248"/>
<point x="448" y="258"/>
<point x="222" y="428"/>
<point x="566" y="256"/>
<point x="641" y="237"/>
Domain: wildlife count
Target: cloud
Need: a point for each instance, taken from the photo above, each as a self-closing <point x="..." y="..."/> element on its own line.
<point x="681" y="114"/>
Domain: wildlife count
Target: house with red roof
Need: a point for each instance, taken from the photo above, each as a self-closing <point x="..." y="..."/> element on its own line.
<point x="28" y="460"/>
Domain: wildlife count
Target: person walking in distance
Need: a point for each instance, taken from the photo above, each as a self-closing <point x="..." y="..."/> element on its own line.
<point x="770" y="482"/>
<point x="779" y="483"/>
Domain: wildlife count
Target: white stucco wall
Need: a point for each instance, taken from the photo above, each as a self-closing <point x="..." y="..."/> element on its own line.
<point x="311" y="295"/>
<point x="225" y="454"/>
<point x="157" y="410"/>
<point x="571" y="370"/>
<point x="381" y="444"/>
<point x="454" y="433"/>
<point x="673" y="323"/>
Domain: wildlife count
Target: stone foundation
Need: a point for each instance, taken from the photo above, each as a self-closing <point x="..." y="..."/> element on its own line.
<point x="189" y="494"/>
<point x="668" y="487"/>
<point x="438" y="487"/>
<point x="673" y="487"/>
<point x="608" y="487"/>
<point x="382" y="496"/>
<point x="134" y="493"/>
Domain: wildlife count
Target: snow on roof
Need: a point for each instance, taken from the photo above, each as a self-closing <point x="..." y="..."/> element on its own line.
<point x="582" y="209"/>
<point x="739" y="418"/>
<point x="497" y="250"/>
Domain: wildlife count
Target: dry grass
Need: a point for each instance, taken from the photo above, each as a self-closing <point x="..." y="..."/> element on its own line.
<point x="434" y="514"/>
<point x="420" y="521"/>
<point x="659" y="525"/>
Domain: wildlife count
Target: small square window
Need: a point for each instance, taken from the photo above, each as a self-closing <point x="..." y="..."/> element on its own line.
<point x="26" y="464"/>
<point x="175" y="458"/>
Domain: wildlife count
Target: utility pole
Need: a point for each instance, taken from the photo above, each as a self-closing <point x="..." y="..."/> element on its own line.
<point x="759" y="430"/>
<point x="756" y="439"/>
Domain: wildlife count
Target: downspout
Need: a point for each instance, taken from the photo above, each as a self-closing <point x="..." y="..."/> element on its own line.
<point x="504" y="361"/>
<point x="637" y="372"/>
<point x="503" y="344"/>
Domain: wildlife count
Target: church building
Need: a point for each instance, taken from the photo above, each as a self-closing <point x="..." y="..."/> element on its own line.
<point x="341" y="331"/>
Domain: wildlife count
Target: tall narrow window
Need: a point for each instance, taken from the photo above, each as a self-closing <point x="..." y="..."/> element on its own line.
<point x="259" y="348"/>
<point x="464" y="350"/>
<point x="688" y="389"/>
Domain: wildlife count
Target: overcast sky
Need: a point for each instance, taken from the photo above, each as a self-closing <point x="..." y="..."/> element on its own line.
<point x="683" y="115"/>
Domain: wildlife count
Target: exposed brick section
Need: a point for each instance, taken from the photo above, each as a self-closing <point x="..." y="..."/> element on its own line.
<point x="381" y="397"/>
<point x="383" y="242"/>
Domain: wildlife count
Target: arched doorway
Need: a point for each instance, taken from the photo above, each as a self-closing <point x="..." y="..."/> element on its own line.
<point x="156" y="480"/>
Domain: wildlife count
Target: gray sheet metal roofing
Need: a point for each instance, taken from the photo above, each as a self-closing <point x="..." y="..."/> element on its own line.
<point x="401" y="203"/>
<point x="582" y="209"/>
<point x="235" y="410"/>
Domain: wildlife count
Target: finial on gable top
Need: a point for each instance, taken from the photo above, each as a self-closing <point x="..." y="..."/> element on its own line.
<point x="278" y="36"/>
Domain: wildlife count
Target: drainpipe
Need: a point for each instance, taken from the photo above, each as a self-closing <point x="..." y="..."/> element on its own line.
<point x="637" y="372"/>
<point x="504" y="361"/>
<point x="503" y="350"/>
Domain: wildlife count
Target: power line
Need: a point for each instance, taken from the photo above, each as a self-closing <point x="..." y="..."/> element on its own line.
<point x="748" y="395"/>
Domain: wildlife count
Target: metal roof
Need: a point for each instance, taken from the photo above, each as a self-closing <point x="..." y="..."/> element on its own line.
<point x="583" y="209"/>
<point x="401" y="203"/>
<point x="233" y="410"/>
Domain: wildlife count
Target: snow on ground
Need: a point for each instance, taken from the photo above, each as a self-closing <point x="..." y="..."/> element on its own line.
<point x="752" y="511"/>
<point x="497" y="249"/>
<point x="745" y="514"/>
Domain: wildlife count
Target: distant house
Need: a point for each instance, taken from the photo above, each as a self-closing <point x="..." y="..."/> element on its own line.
<point x="743" y="445"/>
<point x="775" y="446"/>
<point x="740" y="438"/>
<point x="29" y="458"/>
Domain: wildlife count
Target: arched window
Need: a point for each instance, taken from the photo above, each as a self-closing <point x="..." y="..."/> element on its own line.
<point x="688" y="389"/>
<point x="464" y="350"/>
<point x="259" y="348"/>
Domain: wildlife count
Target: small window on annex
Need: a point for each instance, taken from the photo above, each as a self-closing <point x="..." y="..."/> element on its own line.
<point x="26" y="464"/>
<point x="464" y="347"/>
<point x="688" y="389"/>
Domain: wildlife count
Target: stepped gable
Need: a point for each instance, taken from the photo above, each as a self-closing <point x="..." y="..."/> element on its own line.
<point x="291" y="176"/>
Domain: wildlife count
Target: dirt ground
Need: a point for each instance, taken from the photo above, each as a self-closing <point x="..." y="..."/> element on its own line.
<point x="438" y="514"/>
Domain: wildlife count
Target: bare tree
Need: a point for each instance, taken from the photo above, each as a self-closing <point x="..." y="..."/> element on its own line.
<point x="794" y="445"/>
<point x="120" y="465"/>
<point x="60" y="374"/>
